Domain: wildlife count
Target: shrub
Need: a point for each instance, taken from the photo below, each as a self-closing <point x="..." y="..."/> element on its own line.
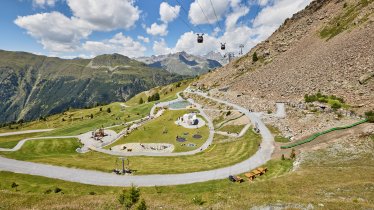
<point x="370" y="116"/>
<point x="293" y="154"/>
<point x="14" y="185"/>
<point x="129" y="199"/>
<point x="142" y="205"/>
<point x="108" y="110"/>
<point x="198" y="200"/>
<point x="141" y="101"/>
<point x="48" y="191"/>
<point x="57" y="190"/>
<point x="254" y="57"/>
<point x="336" y="106"/>
<point x="228" y="113"/>
<point x="92" y="193"/>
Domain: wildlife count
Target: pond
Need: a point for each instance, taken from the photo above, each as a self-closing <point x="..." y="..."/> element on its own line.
<point x="179" y="105"/>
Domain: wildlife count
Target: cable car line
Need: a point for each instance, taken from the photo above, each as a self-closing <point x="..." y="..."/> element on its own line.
<point x="214" y="10"/>
<point x="185" y="11"/>
<point x="206" y="17"/>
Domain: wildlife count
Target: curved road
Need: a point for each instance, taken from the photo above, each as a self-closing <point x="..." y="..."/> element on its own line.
<point x="106" y="179"/>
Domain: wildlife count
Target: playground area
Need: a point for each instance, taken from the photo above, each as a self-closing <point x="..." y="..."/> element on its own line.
<point x="144" y="147"/>
<point x="164" y="130"/>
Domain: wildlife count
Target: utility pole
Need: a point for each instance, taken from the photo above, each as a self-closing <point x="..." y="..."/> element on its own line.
<point x="123" y="163"/>
<point x="241" y="49"/>
<point x="230" y="55"/>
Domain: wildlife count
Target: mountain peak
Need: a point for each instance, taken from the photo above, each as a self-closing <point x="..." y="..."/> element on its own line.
<point x="111" y="60"/>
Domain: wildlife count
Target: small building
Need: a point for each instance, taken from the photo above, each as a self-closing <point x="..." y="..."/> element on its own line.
<point x="190" y="119"/>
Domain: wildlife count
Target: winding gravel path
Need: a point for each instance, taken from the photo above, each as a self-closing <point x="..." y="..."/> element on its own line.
<point x="106" y="179"/>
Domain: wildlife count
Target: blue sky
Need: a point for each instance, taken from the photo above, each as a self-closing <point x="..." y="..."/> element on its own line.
<point x="85" y="28"/>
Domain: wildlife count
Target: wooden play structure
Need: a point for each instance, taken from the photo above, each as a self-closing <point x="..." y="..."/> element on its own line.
<point x="255" y="173"/>
<point x="98" y="134"/>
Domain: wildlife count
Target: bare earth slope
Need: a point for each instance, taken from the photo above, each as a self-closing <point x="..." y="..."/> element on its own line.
<point x="298" y="59"/>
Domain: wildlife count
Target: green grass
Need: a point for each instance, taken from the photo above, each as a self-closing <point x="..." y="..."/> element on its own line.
<point x="118" y="129"/>
<point x="63" y="153"/>
<point x="12" y="141"/>
<point x="75" y="122"/>
<point x="232" y="128"/>
<point x="42" y="149"/>
<point x="278" y="137"/>
<point x="167" y="92"/>
<point x="345" y="20"/>
<point x="152" y="132"/>
<point x="310" y="185"/>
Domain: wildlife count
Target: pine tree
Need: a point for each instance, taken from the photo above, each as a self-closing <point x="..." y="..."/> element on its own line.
<point x="142" y="205"/>
<point x="141" y="101"/>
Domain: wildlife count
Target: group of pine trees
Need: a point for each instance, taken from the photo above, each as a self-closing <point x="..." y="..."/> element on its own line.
<point x="154" y="97"/>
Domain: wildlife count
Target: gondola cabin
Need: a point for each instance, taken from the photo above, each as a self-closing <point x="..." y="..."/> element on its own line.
<point x="200" y="38"/>
<point x="223" y="46"/>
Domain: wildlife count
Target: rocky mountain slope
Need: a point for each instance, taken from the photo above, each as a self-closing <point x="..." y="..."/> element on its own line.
<point x="33" y="86"/>
<point x="181" y="63"/>
<point x="328" y="47"/>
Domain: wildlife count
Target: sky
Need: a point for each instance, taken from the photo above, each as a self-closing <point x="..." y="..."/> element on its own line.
<point x="135" y="28"/>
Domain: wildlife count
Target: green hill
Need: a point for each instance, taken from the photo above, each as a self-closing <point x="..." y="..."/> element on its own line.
<point x="34" y="86"/>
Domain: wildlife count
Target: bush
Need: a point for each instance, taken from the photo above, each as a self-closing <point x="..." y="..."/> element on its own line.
<point x="142" y="205"/>
<point x="336" y="106"/>
<point x="48" y="191"/>
<point x="129" y="199"/>
<point x="198" y="200"/>
<point x="370" y="116"/>
<point x="92" y="193"/>
<point x="141" y="101"/>
<point x="228" y="113"/>
<point x="254" y="57"/>
<point x="57" y="190"/>
<point x="14" y="185"/>
<point x="108" y="110"/>
<point x="293" y="154"/>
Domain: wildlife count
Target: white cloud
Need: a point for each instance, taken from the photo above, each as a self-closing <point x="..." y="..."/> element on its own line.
<point x="263" y="2"/>
<point x="55" y="31"/>
<point x="196" y="16"/>
<point x="157" y="29"/>
<point x="233" y="18"/>
<point x="161" y="48"/>
<point x="144" y="39"/>
<point x="121" y="44"/>
<point x="275" y="14"/>
<point x="105" y="15"/>
<point x="58" y="33"/>
<point x="168" y="13"/>
<point x="43" y="3"/>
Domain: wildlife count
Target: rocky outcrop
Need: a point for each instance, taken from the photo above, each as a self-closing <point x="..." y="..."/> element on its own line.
<point x="325" y="47"/>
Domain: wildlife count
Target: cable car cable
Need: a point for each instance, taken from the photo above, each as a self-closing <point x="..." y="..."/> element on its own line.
<point x="206" y="17"/>
<point x="185" y="11"/>
<point x="214" y="10"/>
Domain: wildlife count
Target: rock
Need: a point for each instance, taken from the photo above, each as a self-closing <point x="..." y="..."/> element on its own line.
<point x="364" y="78"/>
